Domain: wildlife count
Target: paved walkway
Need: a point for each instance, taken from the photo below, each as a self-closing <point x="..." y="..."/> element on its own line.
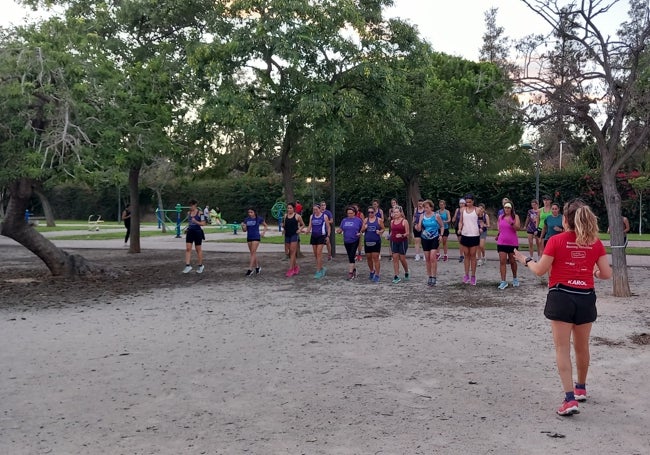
<point x="214" y="243"/>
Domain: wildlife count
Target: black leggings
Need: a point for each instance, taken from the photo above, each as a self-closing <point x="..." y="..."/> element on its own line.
<point x="351" y="249"/>
<point x="128" y="231"/>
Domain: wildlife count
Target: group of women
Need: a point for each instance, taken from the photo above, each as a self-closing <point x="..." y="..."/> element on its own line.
<point x="573" y="255"/>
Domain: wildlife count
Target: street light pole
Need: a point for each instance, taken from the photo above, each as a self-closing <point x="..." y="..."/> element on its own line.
<point x="530" y="147"/>
<point x="561" y="145"/>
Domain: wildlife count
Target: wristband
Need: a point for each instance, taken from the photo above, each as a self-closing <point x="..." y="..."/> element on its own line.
<point x="528" y="259"/>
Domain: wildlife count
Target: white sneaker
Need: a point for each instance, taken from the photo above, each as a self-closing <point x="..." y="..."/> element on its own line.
<point x="200" y="269"/>
<point x="417" y="257"/>
<point x="187" y="269"/>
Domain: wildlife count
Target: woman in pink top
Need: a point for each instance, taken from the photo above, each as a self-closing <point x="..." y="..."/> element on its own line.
<point x="507" y="243"/>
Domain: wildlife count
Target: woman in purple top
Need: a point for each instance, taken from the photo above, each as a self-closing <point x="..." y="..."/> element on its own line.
<point x="373" y="228"/>
<point x="507" y="243"/>
<point x="351" y="229"/>
<point x="251" y="226"/>
<point x="319" y="226"/>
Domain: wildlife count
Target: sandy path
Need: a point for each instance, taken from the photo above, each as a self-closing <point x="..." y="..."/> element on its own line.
<point x="276" y="366"/>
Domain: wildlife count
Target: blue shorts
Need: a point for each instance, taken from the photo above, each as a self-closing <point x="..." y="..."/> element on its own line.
<point x="399" y="247"/>
<point x="291" y="238"/>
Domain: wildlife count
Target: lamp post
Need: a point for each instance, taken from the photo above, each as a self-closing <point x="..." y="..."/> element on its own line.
<point x="562" y="142"/>
<point x="530" y="147"/>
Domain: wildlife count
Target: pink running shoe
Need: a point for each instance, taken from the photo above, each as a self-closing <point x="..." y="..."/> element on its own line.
<point x="580" y="394"/>
<point x="296" y="270"/>
<point x="445" y="258"/>
<point x="568" y="408"/>
<point x="466" y="279"/>
<point x="289" y="273"/>
<point x="472" y="281"/>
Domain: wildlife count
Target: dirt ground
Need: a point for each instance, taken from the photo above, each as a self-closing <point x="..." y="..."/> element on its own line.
<point x="159" y="362"/>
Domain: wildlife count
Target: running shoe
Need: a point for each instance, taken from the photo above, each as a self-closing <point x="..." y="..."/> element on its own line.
<point x="350" y="276"/>
<point x="258" y="270"/>
<point x="445" y="258"/>
<point x="515" y="282"/>
<point x="371" y="276"/>
<point x="466" y="279"/>
<point x="289" y="273"/>
<point x="318" y="275"/>
<point x="417" y="257"/>
<point x="433" y="281"/>
<point x="187" y="269"/>
<point x="200" y="269"/>
<point x="354" y="273"/>
<point x="358" y="258"/>
<point x="503" y="285"/>
<point x="407" y="277"/>
<point x="249" y="272"/>
<point x="324" y="271"/>
<point x="429" y="282"/>
<point x="461" y="259"/>
<point x="580" y="394"/>
<point x="375" y="279"/>
<point x="396" y="280"/>
<point x="296" y="270"/>
<point x="329" y="258"/>
<point x="568" y="408"/>
<point x="472" y="281"/>
<point x="478" y="263"/>
<point x="437" y="256"/>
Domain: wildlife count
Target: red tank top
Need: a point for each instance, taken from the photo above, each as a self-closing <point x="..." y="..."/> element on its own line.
<point x="398" y="228"/>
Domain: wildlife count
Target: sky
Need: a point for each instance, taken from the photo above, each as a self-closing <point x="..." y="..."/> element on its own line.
<point x="454" y="27"/>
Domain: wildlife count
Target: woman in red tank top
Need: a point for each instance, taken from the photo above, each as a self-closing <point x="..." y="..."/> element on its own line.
<point x="399" y="243"/>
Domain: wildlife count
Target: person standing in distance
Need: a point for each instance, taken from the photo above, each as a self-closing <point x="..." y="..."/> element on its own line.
<point x="574" y="257"/>
<point x="445" y="215"/>
<point x="330" y="217"/>
<point x="126" y="218"/>
<point x="470" y="238"/>
<point x="194" y="235"/>
<point x="251" y="226"/>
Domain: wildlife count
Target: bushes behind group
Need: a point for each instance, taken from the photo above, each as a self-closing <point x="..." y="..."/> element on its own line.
<point x="234" y="195"/>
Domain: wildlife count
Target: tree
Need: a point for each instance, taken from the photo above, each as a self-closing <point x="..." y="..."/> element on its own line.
<point x="43" y="133"/>
<point x="288" y="74"/>
<point x="605" y="90"/>
<point x="455" y="124"/>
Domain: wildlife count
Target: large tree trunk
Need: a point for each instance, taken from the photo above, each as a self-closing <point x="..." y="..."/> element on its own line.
<point x="414" y="194"/>
<point x="47" y="208"/>
<point x="613" y="204"/>
<point x="286" y="164"/>
<point x="59" y="262"/>
<point x="134" y="193"/>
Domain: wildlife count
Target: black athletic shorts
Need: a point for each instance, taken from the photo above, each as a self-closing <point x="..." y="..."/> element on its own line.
<point x="572" y="305"/>
<point x="399" y="247"/>
<point x="506" y="249"/>
<point x="430" y="244"/>
<point x="372" y="247"/>
<point x="417" y="234"/>
<point x="318" y="240"/>
<point x="194" y="236"/>
<point x="470" y="242"/>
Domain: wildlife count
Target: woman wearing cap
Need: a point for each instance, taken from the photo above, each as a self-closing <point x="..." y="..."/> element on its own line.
<point x="507" y="243"/>
<point x="457" y="215"/>
<point x="470" y="238"/>
<point x="574" y="257"/>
